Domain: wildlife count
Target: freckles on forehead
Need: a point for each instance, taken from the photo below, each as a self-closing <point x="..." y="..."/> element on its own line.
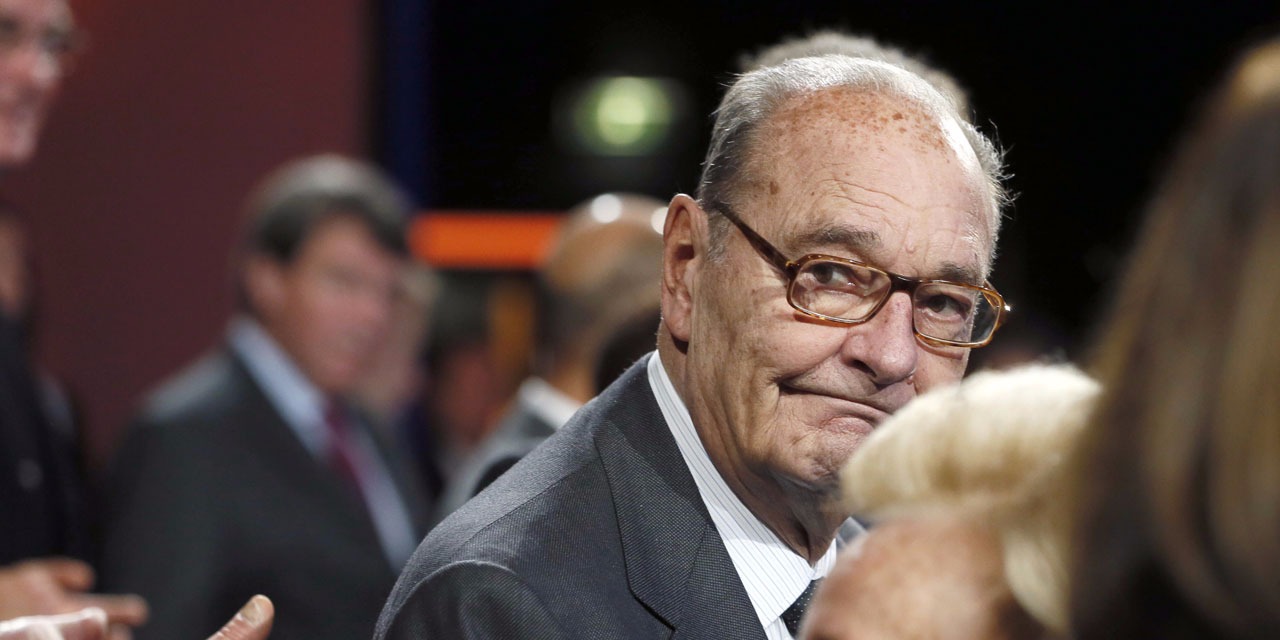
<point x="834" y="131"/>
<point x="906" y="169"/>
<point x="860" y="116"/>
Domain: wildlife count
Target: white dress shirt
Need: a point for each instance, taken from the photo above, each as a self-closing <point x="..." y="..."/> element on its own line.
<point x="773" y="575"/>
<point x="547" y="402"/>
<point x="302" y="405"/>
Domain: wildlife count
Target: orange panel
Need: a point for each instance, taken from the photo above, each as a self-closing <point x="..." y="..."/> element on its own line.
<point x="483" y="239"/>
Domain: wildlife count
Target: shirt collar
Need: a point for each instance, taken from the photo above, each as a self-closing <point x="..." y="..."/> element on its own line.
<point x="298" y="401"/>
<point x="547" y="402"/>
<point x="773" y="575"/>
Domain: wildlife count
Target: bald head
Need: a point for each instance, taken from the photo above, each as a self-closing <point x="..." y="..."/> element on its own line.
<point x="754" y="100"/>
<point x="601" y="274"/>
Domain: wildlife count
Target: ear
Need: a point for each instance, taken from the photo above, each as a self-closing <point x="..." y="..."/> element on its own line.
<point x="264" y="285"/>
<point x="684" y="238"/>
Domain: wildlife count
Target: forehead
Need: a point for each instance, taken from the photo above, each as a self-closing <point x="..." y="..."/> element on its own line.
<point x="888" y="178"/>
<point x="342" y="236"/>
<point x="37" y="13"/>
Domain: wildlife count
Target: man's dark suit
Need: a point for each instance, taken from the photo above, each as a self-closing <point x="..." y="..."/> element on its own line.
<point x="41" y="503"/>
<point x="520" y="432"/>
<point x="599" y="533"/>
<point x="214" y="498"/>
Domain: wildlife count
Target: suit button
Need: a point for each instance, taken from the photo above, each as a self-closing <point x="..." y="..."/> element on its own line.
<point x="30" y="475"/>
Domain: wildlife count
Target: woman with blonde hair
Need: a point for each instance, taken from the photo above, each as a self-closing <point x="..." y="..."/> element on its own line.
<point x="963" y="484"/>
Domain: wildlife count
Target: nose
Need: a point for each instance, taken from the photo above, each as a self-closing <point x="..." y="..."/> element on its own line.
<point x="32" y="66"/>
<point x="885" y="346"/>
<point x="374" y="308"/>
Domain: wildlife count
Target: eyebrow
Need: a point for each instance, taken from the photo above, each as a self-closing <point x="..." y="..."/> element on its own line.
<point x="958" y="273"/>
<point x="864" y="243"/>
<point x="857" y="239"/>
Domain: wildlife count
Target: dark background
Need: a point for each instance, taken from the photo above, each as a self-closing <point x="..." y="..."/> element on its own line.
<point x="1087" y="100"/>
<point x="177" y="108"/>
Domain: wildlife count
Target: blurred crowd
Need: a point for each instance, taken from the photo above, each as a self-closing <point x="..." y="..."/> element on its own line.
<point x="741" y="413"/>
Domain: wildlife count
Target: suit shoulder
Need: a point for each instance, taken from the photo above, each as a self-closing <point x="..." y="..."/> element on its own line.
<point x="515" y="555"/>
<point x="203" y="390"/>
<point x="507" y="446"/>
<point x="537" y="505"/>
<point x="469" y="599"/>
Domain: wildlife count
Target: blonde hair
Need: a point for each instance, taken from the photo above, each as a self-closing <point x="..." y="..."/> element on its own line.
<point x="992" y="449"/>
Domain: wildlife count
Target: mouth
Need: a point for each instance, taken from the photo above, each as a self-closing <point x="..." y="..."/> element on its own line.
<point x="842" y="405"/>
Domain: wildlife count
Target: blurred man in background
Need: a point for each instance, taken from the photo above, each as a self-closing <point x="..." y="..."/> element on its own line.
<point x="42" y="515"/>
<point x="251" y="471"/>
<point x="598" y="291"/>
<point x="36" y="38"/>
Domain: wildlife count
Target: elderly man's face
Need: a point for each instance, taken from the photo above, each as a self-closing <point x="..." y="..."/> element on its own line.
<point x="34" y="38"/>
<point x="785" y="398"/>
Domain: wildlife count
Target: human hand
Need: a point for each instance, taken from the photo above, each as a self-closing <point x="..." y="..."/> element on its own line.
<point x="251" y="622"/>
<point x="50" y="586"/>
<point x="86" y="624"/>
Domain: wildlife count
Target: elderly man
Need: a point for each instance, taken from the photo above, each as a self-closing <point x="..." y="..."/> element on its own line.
<point x="833" y="266"/>
<point x="42" y="519"/>
<point x="250" y="472"/>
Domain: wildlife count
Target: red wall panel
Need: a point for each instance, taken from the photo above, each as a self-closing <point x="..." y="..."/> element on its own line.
<point x="134" y="198"/>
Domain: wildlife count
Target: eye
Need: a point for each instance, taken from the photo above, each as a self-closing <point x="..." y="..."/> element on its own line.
<point x="57" y="42"/>
<point x="10" y="31"/>
<point x="836" y="275"/>
<point x="947" y="305"/>
<point x="829" y="274"/>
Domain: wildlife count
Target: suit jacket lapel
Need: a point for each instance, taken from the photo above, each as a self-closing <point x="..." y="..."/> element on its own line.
<point x="291" y="462"/>
<point x="676" y="563"/>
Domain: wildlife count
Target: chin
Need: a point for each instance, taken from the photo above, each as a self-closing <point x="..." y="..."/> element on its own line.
<point x="836" y="447"/>
<point x="17" y="145"/>
<point x="819" y="479"/>
<point x="14" y="156"/>
<point x="338" y="382"/>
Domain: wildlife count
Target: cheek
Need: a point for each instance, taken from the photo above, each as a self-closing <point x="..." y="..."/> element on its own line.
<point x="940" y="367"/>
<point x="777" y="341"/>
<point x="321" y="315"/>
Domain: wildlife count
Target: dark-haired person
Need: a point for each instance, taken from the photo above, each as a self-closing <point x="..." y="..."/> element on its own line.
<point x="250" y="472"/>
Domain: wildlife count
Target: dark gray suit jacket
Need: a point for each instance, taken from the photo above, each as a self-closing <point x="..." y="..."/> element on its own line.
<point x="213" y="498"/>
<point x="599" y="533"/>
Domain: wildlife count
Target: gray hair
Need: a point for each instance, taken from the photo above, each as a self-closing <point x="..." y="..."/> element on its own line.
<point x="758" y="94"/>
<point x="831" y="41"/>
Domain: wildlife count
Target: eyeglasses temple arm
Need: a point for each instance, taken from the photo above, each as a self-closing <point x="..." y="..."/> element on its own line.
<point x="768" y="250"/>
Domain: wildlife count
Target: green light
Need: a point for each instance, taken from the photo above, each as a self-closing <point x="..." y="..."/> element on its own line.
<point x="623" y="115"/>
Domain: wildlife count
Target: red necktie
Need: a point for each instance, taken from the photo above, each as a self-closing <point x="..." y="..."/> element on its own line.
<point x="341" y="449"/>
